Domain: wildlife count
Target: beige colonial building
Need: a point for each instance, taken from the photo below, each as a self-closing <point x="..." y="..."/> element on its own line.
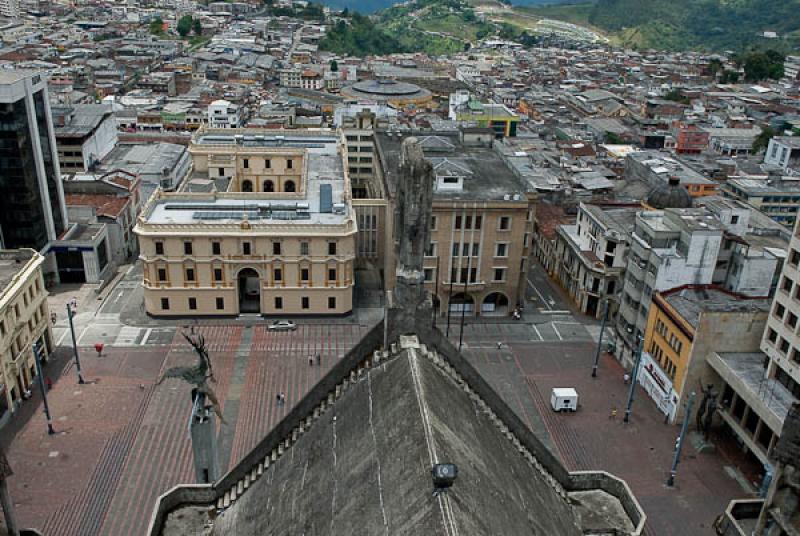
<point x="24" y="324"/>
<point x="481" y="224"/>
<point x="266" y="225"/>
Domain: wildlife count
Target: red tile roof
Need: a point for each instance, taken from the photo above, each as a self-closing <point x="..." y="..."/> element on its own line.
<point x="105" y="205"/>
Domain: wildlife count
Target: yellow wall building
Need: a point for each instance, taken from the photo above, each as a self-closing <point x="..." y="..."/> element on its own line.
<point x="24" y="324"/>
<point x="684" y="326"/>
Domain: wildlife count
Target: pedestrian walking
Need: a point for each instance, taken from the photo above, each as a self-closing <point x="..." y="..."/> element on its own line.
<point x="613" y="414"/>
<point x="53" y="317"/>
<point x="311" y="361"/>
<point x="626" y="378"/>
<point x="278" y="398"/>
<point x="499" y="345"/>
<point x="319" y="359"/>
<point x="48" y="383"/>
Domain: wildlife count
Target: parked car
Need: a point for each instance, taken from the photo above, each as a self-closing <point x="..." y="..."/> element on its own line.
<point x="282" y="325"/>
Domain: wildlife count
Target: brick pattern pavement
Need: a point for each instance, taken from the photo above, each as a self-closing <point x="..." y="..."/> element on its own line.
<point x="125" y="441"/>
<point x="639" y="452"/>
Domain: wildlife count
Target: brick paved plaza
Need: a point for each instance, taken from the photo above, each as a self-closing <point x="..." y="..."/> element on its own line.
<point x="529" y="366"/>
<point x="121" y="440"/>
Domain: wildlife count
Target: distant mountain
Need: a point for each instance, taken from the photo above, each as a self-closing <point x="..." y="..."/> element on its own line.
<point x="699" y="24"/>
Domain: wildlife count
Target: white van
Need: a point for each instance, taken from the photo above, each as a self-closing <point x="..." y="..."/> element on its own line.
<point x="564" y="399"/>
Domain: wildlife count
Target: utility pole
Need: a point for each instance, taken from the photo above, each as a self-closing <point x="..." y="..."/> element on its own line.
<point x="74" y="344"/>
<point x="679" y="446"/>
<point x="436" y="293"/>
<point x="5" y="496"/>
<point x="635" y="375"/>
<point x="600" y="340"/>
<point x="40" y="376"/>
<point x="450" y="298"/>
<point x="464" y="308"/>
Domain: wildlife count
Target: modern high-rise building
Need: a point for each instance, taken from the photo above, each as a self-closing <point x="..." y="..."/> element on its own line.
<point x="32" y="209"/>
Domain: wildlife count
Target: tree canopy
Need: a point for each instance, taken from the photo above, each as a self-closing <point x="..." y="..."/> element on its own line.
<point x="185" y="25"/>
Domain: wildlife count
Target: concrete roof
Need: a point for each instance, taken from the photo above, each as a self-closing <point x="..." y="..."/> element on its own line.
<point x="690" y="303"/>
<point x="364" y="468"/>
<point x="486" y="175"/>
<point x="11" y="263"/>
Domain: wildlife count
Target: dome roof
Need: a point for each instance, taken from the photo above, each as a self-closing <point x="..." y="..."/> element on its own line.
<point x="670" y="195"/>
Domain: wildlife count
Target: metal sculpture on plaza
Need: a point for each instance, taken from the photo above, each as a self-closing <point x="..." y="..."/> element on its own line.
<point x="199" y="374"/>
<point x="706" y="410"/>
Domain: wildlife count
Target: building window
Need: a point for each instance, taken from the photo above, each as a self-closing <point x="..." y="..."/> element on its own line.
<point x="499" y="274"/>
<point x="433" y="223"/>
<point x="794" y="258"/>
<point x="458" y="222"/>
<point x="220" y="304"/>
<point x="465" y="250"/>
<point x="786" y="285"/>
<point x="190" y="274"/>
<point x="476" y="248"/>
<point x="216" y="248"/>
<point x="303" y="248"/>
<point x="428" y="274"/>
<point x="165" y="304"/>
<point x="221" y="172"/>
<point x="331" y="274"/>
<point x="162" y="274"/>
<point x="247" y="186"/>
<point x="502" y="250"/>
<point x="187" y="248"/>
<point x="304" y="274"/>
<point x="277" y="274"/>
<point x="269" y="186"/>
<point x="331" y="248"/>
<point x="267" y="163"/>
<point x="503" y="223"/>
<point x="456" y="249"/>
<point x="332" y="302"/>
<point x="289" y="164"/>
<point x="276" y="248"/>
<point x="430" y="251"/>
<point x="304" y="302"/>
<point x="791" y="320"/>
<point x="478" y="222"/>
<point x="467" y="222"/>
<point x="192" y="304"/>
<point x="772" y="335"/>
<point x="784" y="347"/>
<point x="278" y="302"/>
<point x="245" y="248"/>
<point x="246" y="163"/>
<point x="159" y="248"/>
<point x="779" y="310"/>
<point x="217" y="274"/>
<point x="288" y="186"/>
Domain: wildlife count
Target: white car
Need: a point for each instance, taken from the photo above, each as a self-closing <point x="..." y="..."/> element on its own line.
<point x="282" y="325"/>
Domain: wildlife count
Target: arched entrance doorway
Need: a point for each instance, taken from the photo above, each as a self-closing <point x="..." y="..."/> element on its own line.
<point x="247" y="186"/>
<point x="249" y="291"/>
<point x="495" y="304"/>
<point x="462" y="303"/>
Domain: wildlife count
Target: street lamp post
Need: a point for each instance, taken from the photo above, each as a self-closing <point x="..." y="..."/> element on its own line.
<point x="600" y="340"/>
<point x="74" y="344"/>
<point x="677" y="458"/>
<point x="634" y="375"/>
<point x="40" y="376"/>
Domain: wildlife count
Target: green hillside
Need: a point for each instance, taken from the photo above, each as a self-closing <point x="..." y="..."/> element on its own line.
<point x="698" y="24"/>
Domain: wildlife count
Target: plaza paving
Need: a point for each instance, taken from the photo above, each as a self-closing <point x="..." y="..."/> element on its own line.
<point x="122" y="440"/>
